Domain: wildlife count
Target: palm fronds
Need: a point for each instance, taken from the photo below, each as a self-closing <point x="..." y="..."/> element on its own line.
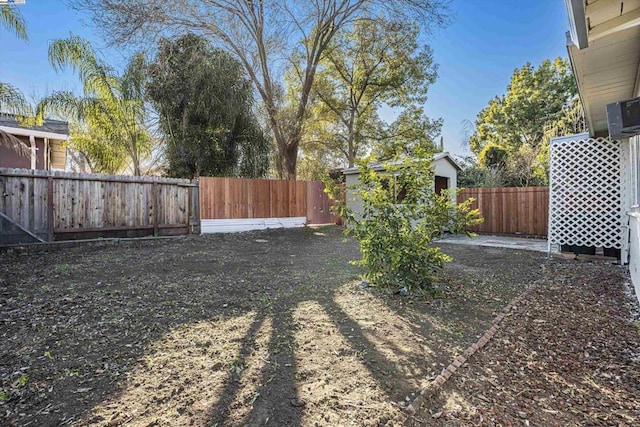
<point x="12" y="20"/>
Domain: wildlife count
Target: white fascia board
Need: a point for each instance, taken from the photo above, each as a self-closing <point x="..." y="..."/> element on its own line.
<point x="575" y="59"/>
<point x="34" y="133"/>
<point x="449" y="158"/>
<point x="577" y="22"/>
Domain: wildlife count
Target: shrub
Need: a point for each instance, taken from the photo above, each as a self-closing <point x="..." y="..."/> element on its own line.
<point x="401" y="216"/>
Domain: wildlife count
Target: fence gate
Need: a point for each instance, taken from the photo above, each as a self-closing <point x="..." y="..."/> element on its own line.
<point x="588" y="186"/>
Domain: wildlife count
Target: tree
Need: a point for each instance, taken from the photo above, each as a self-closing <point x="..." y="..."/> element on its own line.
<point x="395" y="236"/>
<point x="511" y="135"/>
<point x="205" y="103"/>
<point x="377" y="62"/>
<point x="535" y="98"/>
<point x="261" y="34"/>
<point x="12" y="101"/>
<point x="12" y="20"/>
<point x="111" y="113"/>
<point x="410" y="135"/>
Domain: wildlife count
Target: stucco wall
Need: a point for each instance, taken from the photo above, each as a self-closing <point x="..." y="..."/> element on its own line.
<point x="634" y="251"/>
<point x="442" y="167"/>
<point x="634" y="216"/>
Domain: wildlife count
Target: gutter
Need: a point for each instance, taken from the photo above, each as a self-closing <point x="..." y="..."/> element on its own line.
<point x="577" y="23"/>
<point x="572" y="51"/>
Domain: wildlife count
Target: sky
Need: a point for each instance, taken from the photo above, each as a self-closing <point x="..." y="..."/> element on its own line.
<point x="477" y="53"/>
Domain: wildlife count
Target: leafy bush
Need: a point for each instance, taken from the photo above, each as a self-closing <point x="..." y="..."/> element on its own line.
<point x="401" y="216"/>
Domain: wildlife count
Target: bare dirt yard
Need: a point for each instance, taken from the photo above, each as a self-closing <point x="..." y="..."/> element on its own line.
<point x="274" y="328"/>
<point x="568" y="355"/>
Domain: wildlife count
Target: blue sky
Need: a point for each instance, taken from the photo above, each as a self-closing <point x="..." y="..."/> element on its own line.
<point x="477" y="53"/>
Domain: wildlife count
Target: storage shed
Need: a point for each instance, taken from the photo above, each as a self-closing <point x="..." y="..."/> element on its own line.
<point x="446" y="178"/>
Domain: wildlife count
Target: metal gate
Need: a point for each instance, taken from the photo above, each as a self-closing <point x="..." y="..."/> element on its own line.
<point x="588" y="183"/>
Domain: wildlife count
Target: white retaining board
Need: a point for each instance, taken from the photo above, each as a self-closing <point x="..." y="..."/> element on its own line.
<point x="210" y="226"/>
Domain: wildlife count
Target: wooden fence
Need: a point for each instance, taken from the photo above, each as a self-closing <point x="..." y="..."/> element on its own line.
<point x="235" y="198"/>
<point x="517" y="210"/>
<point x="65" y="206"/>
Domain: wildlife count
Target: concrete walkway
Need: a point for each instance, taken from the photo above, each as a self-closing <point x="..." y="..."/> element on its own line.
<point x="539" y="245"/>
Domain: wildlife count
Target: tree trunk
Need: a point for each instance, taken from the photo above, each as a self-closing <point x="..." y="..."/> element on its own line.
<point x="289" y="158"/>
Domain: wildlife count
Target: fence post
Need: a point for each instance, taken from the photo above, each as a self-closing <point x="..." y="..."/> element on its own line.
<point x="50" y="233"/>
<point x="154" y="198"/>
<point x="194" y="199"/>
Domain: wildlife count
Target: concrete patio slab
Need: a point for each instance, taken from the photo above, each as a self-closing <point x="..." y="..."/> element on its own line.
<point x="539" y="245"/>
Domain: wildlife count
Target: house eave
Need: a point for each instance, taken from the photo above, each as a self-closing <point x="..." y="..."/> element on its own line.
<point x="34" y="133"/>
<point x="604" y="55"/>
<point x="573" y="51"/>
<point x="380" y="167"/>
<point x="577" y="23"/>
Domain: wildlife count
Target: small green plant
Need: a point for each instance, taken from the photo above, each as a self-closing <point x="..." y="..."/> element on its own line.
<point x="22" y="381"/>
<point x="401" y="215"/>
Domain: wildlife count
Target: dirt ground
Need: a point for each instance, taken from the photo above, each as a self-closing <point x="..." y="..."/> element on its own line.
<point x="569" y="355"/>
<point x="263" y="328"/>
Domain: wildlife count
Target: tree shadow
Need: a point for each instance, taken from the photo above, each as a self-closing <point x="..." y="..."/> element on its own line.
<point x="86" y="324"/>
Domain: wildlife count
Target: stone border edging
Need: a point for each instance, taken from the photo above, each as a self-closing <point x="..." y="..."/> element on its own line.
<point x="462" y="358"/>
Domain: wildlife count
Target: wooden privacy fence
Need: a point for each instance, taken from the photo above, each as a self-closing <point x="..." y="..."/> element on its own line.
<point x="64" y="206"/>
<point x="236" y="198"/>
<point x="516" y="210"/>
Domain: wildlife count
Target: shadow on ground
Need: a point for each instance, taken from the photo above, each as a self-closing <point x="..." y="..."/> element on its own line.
<point x="267" y="328"/>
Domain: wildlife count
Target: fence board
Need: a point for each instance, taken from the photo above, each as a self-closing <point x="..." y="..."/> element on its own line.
<point x="60" y="205"/>
<point x="236" y="198"/>
<point x="516" y="210"/>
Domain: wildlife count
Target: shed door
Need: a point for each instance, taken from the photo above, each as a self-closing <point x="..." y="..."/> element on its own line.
<point x="442" y="183"/>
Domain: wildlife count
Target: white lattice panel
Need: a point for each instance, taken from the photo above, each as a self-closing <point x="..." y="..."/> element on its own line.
<point x="586" y="203"/>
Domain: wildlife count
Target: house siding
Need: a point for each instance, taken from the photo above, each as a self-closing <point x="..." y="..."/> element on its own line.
<point x="634" y="219"/>
<point x="444" y="168"/>
<point x="10" y="159"/>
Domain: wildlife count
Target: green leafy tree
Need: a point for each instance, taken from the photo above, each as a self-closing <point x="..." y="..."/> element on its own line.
<point x="376" y="62"/>
<point x="409" y="135"/>
<point x="395" y="235"/>
<point x="262" y="35"/>
<point x="205" y="105"/>
<point x="110" y="115"/>
<point x="511" y="135"/>
<point x="475" y="175"/>
<point x="535" y="98"/>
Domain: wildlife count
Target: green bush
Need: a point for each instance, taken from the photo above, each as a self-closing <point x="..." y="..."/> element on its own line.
<point x="401" y="216"/>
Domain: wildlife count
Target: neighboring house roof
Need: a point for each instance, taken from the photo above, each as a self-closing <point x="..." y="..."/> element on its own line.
<point x="382" y="166"/>
<point x="54" y="129"/>
<point x="604" y="48"/>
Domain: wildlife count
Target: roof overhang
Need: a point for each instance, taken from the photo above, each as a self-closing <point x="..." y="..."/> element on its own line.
<point x="379" y="167"/>
<point x="604" y="49"/>
<point x="34" y="133"/>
